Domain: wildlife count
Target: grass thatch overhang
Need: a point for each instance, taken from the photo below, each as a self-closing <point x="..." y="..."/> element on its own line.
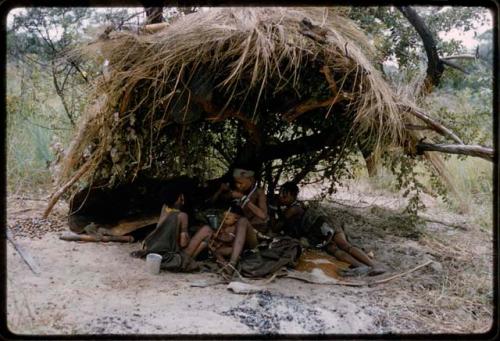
<point x="163" y="90"/>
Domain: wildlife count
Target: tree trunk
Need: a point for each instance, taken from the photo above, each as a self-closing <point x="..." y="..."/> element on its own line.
<point x="154" y="15"/>
<point x="435" y="66"/>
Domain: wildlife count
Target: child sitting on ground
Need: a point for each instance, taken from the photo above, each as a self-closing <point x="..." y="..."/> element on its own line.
<point x="297" y="221"/>
<point x="230" y="240"/>
<point x="226" y="242"/>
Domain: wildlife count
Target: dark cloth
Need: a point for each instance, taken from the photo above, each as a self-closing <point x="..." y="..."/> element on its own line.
<point x="164" y="241"/>
<point x="316" y="227"/>
<point x="267" y="259"/>
<point x="294" y="224"/>
<point x="313" y="225"/>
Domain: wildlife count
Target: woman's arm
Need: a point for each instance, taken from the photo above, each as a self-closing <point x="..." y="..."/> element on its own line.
<point x="183" y="226"/>
<point x="260" y="210"/>
<point x="224" y="188"/>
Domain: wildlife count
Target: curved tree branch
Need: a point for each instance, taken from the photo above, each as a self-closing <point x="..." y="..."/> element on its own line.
<point x="454" y="65"/>
<point x="301" y="145"/>
<point x="469" y="150"/>
<point x="459" y="56"/>
<point x="435" y="66"/>
<point x="154" y="15"/>
<point x="434" y="125"/>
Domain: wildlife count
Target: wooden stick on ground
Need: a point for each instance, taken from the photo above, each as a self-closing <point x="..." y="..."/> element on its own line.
<point x="385" y="280"/>
<point x="24" y="254"/>
<point x="74" y="237"/>
<point x="55" y="197"/>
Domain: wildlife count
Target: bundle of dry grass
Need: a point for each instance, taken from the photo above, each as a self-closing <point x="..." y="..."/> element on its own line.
<point x="227" y="63"/>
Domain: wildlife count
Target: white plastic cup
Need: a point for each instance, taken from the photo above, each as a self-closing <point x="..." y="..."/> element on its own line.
<point x="153" y="261"/>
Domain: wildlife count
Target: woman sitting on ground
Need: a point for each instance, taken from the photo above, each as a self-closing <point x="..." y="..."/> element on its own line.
<point x="171" y="236"/>
<point x="171" y="232"/>
<point x="252" y="200"/>
<point x="297" y="221"/>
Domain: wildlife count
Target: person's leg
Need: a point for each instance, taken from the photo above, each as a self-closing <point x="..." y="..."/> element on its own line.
<point x="221" y="255"/>
<point x="332" y="249"/>
<point x="239" y="242"/>
<point x="342" y="243"/>
<point x="224" y="251"/>
<point x="251" y="235"/>
<point x="341" y="240"/>
<point x="199" y="241"/>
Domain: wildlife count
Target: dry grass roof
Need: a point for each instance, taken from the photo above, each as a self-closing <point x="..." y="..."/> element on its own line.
<point x="245" y="55"/>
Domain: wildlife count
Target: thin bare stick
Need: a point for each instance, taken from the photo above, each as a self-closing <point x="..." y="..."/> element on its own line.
<point x="24" y="254"/>
<point x="417" y="127"/>
<point x="216" y="234"/>
<point x="357" y="283"/>
<point x="55" y="197"/>
<point x="385" y="280"/>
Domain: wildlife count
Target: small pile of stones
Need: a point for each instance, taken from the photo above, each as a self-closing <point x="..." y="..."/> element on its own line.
<point x="35" y="228"/>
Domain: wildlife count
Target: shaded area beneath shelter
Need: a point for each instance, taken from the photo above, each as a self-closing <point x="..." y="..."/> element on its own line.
<point x="130" y="207"/>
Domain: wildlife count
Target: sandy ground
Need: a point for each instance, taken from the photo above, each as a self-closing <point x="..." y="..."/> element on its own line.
<point x="90" y="288"/>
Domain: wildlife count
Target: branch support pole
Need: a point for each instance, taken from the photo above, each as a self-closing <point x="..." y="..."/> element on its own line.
<point x="469" y="150"/>
<point x="55" y="197"/>
<point x="436" y="126"/>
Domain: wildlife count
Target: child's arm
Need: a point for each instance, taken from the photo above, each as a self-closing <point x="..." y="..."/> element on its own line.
<point x="183" y="226"/>
<point x="291" y="219"/>
<point x="292" y="214"/>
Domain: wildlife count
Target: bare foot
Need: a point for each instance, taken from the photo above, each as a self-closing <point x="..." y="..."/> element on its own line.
<point x="378" y="269"/>
<point x="138" y="254"/>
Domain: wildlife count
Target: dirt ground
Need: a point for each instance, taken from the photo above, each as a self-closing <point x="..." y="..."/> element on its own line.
<point x="91" y="288"/>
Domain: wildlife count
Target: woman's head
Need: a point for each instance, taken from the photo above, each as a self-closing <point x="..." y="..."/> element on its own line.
<point x="174" y="197"/>
<point x="243" y="179"/>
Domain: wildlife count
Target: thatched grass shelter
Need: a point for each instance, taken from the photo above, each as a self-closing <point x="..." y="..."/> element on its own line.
<point x="285" y="81"/>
